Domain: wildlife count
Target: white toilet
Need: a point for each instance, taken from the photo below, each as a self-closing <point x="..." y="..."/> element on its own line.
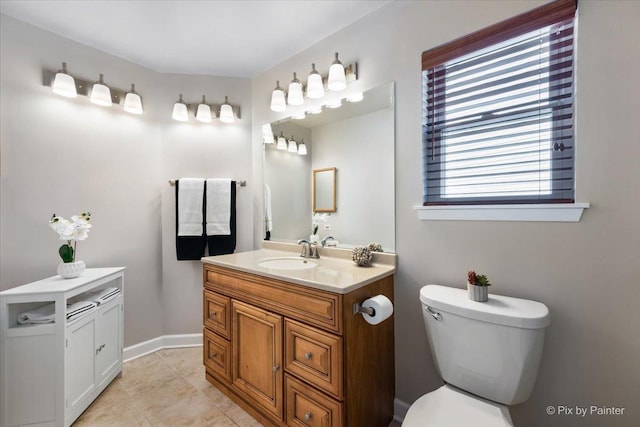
<point x="488" y="354"/>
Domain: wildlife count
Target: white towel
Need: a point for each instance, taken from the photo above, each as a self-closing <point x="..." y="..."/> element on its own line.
<point x="44" y="314"/>
<point x="190" y="199"/>
<point x="103" y="295"/>
<point x="79" y="308"/>
<point x="268" y="216"/>
<point x="218" y="207"/>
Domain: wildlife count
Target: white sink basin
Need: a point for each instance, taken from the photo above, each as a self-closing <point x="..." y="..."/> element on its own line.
<point x="287" y="263"/>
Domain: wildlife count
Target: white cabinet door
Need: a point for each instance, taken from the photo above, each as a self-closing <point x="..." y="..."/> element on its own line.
<point x="108" y="339"/>
<point x="80" y="363"/>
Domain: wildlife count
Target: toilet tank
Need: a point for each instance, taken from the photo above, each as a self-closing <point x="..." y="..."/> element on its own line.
<point x="491" y="349"/>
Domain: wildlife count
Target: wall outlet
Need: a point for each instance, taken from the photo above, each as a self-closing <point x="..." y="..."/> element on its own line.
<point x="326" y="227"/>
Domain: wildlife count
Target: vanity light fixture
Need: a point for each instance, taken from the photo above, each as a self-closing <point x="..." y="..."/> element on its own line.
<point x="100" y="93"/>
<point x="203" y="113"/>
<point x="282" y="142"/>
<point x="302" y="148"/>
<point x="267" y="134"/>
<point x="335" y="103"/>
<point x="293" y="146"/>
<point x="132" y="101"/>
<point x="226" y="111"/>
<point x="299" y="116"/>
<point x="295" y="95"/>
<point x="180" y="111"/>
<point x="337" y="78"/>
<point x="315" y="109"/>
<point x="315" y="87"/>
<point x="355" y="97"/>
<point x="278" y="102"/>
<point x="64" y="84"/>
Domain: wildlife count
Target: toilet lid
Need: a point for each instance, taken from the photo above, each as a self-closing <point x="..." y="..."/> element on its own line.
<point x="450" y="407"/>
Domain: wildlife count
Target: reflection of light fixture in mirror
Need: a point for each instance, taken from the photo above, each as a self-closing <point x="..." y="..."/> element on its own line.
<point x="278" y="102"/>
<point x="315" y="110"/>
<point x="293" y="147"/>
<point x="355" y="97"/>
<point x="302" y="148"/>
<point x="132" y="101"/>
<point x="295" y="95"/>
<point x="337" y="78"/>
<point x="315" y="88"/>
<point x="226" y="111"/>
<point x="180" y="111"/>
<point x="203" y="113"/>
<point x="299" y="116"/>
<point x="64" y="84"/>
<point x="100" y="93"/>
<point x="334" y="104"/>
<point x="282" y="142"/>
<point x="267" y="134"/>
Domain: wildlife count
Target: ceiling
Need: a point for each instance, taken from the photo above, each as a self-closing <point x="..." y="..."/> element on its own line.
<point x="240" y="38"/>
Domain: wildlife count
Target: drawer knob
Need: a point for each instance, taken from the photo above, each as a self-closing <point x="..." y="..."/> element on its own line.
<point x="308" y="355"/>
<point x="276" y="368"/>
<point x="307" y="416"/>
<point x="213" y="314"/>
<point x="213" y="355"/>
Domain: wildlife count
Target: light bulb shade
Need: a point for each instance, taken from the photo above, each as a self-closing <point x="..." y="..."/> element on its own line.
<point x="180" y="112"/>
<point x="315" y="88"/>
<point x="133" y="103"/>
<point x="64" y="85"/>
<point x="355" y="97"/>
<point x="295" y="95"/>
<point x="315" y="110"/>
<point x="226" y="113"/>
<point x="282" y="143"/>
<point x="267" y="134"/>
<point x="337" y="79"/>
<point x="293" y="147"/>
<point x="203" y="113"/>
<point x="302" y="149"/>
<point x="101" y="95"/>
<point x="278" y="102"/>
<point x="335" y="104"/>
<point x="299" y="116"/>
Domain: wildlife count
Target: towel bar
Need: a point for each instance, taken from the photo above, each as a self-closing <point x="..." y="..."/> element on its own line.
<point x="240" y="183"/>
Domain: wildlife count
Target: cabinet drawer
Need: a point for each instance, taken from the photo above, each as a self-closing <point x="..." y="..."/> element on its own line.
<point x="217" y="313"/>
<point x="313" y="306"/>
<point x="217" y="355"/>
<point x="314" y="356"/>
<point x="308" y="407"/>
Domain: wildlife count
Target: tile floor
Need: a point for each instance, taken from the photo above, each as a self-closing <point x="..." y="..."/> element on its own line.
<point x="165" y="388"/>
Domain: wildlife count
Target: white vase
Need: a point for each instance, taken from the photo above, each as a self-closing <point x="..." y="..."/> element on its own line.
<point x="314" y="238"/>
<point x="478" y="293"/>
<point x="69" y="270"/>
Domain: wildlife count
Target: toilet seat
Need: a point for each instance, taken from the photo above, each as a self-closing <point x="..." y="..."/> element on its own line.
<point x="450" y="407"/>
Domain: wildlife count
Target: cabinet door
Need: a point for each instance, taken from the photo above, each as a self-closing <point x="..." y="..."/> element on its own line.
<point x="257" y="356"/>
<point x="80" y="364"/>
<point x="108" y="350"/>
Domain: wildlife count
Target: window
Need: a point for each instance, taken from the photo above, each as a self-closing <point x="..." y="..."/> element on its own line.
<point x="498" y="112"/>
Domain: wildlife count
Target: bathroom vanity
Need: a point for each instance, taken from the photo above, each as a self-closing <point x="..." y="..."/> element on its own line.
<point x="282" y="340"/>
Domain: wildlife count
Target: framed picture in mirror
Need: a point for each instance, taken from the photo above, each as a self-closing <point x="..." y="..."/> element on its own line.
<point x="324" y="190"/>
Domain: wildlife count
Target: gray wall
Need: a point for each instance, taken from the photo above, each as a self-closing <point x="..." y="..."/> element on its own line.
<point x="67" y="155"/>
<point x="585" y="272"/>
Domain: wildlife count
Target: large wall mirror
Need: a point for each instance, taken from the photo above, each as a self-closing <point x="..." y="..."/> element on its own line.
<point x="356" y="141"/>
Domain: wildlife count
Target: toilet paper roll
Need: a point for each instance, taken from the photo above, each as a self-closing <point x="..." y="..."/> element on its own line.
<point x="382" y="306"/>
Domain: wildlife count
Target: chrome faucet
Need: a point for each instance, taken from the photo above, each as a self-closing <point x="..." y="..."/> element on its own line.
<point x="326" y="239"/>
<point x="309" y="250"/>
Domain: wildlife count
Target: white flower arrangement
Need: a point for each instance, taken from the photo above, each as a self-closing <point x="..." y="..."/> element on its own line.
<point x="71" y="231"/>
<point x="317" y="219"/>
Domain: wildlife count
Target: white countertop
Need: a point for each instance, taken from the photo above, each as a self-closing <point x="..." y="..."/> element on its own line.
<point x="335" y="271"/>
<point x="57" y="284"/>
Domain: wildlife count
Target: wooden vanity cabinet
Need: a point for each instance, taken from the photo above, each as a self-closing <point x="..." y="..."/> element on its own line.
<point x="297" y="356"/>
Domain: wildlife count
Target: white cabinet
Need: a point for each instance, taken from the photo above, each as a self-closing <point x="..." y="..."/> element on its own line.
<point x="50" y="373"/>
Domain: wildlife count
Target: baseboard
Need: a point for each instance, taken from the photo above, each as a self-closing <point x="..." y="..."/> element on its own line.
<point x="400" y="409"/>
<point x="165" y="341"/>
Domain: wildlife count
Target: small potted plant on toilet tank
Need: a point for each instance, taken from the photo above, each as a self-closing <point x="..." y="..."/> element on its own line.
<point x="477" y="286"/>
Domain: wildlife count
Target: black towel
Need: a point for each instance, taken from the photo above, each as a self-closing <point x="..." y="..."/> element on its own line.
<point x="190" y="247"/>
<point x="220" y="245"/>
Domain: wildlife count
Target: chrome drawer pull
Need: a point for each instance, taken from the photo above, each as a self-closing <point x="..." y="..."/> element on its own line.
<point x="308" y="356"/>
<point x="307" y="416"/>
<point x="433" y="314"/>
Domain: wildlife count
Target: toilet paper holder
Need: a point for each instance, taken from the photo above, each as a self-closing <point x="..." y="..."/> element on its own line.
<point x="358" y="308"/>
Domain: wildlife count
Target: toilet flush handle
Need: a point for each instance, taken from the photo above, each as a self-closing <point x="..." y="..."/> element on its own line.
<point x="433" y="314"/>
